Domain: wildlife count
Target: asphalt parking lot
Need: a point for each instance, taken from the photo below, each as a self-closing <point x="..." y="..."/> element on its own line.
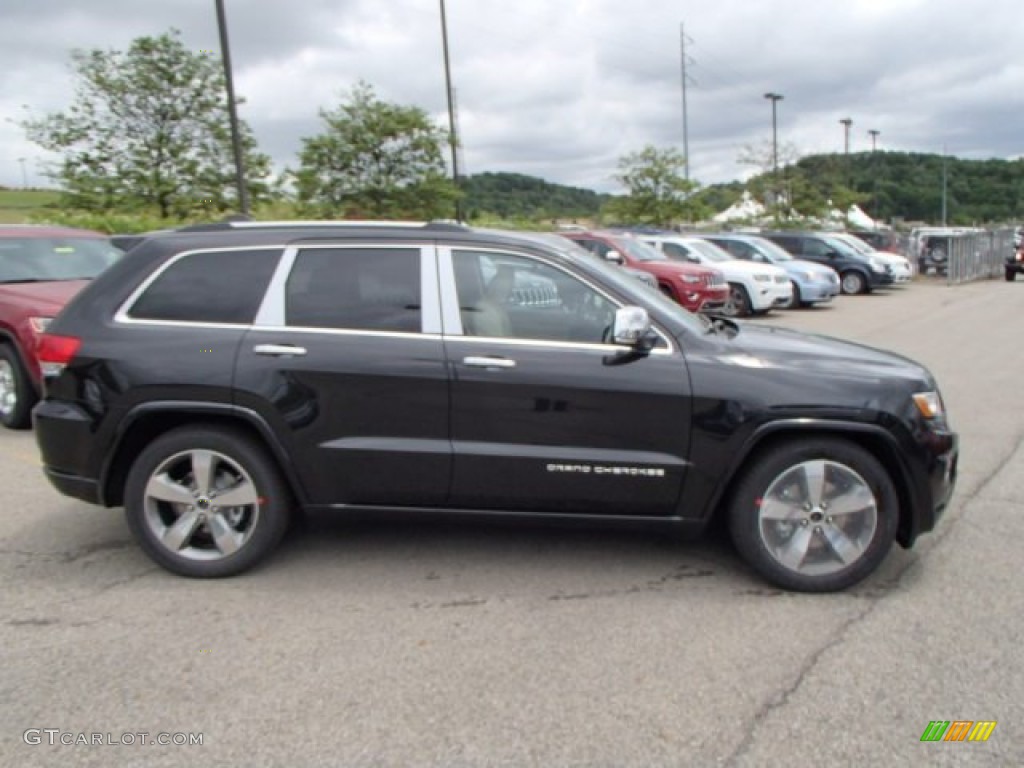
<point x="440" y="645"/>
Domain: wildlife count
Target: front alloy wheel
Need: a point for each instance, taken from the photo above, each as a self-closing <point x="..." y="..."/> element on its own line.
<point x="16" y="394"/>
<point x="815" y="516"/>
<point x="853" y="283"/>
<point x="206" y="503"/>
<point x="738" y="302"/>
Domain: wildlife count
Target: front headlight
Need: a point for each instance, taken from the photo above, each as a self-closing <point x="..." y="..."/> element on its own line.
<point x="929" y="404"/>
<point x="763" y="278"/>
<point x="691" y="279"/>
<point x="877" y="266"/>
<point x="40" y="324"/>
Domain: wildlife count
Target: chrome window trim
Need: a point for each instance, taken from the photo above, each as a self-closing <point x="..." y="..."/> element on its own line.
<point x="278" y="329"/>
<point x="123" y="313"/>
<point x="452" y="325"/>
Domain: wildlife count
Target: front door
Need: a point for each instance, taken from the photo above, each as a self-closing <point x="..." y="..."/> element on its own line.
<point x="547" y="415"/>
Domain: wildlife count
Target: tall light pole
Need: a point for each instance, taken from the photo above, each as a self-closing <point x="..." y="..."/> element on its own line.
<point x="846" y="122"/>
<point x="453" y="134"/>
<point x="874" y="146"/>
<point x="775" y="99"/>
<point x="236" y="141"/>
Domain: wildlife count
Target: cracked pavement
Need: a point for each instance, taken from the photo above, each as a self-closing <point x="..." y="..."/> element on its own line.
<point x="466" y="645"/>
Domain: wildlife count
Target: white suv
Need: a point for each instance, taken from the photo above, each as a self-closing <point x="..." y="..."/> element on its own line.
<point x="753" y="288"/>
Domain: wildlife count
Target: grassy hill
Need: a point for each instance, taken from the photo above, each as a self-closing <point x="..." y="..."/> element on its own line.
<point x="16" y="205"/>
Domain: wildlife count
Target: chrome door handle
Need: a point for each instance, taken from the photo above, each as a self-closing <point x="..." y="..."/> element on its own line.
<point x="279" y="350"/>
<point x="488" y="362"/>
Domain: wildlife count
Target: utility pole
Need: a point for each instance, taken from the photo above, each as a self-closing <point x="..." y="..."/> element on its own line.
<point x="874" y="146"/>
<point x="686" y="127"/>
<point x="775" y="99"/>
<point x="452" y="129"/>
<point x="847" y="122"/>
<point x="236" y="141"/>
<point x="944" y="184"/>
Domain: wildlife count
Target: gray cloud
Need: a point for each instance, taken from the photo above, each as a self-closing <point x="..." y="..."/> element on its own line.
<point x="562" y="89"/>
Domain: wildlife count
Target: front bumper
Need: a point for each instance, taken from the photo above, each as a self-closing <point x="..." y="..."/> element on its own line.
<point x="769" y="295"/>
<point x="935" y="485"/>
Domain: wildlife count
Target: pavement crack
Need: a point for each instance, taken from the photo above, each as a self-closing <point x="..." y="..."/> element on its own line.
<point x="781" y="698"/>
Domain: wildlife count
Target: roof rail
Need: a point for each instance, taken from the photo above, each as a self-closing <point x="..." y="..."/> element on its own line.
<point x="444" y="225"/>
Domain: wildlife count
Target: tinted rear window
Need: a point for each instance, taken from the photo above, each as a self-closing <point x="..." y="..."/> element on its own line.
<point x="209" y="287"/>
<point x="370" y="289"/>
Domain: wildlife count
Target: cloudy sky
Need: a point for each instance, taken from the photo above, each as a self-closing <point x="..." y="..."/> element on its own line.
<point x="562" y="88"/>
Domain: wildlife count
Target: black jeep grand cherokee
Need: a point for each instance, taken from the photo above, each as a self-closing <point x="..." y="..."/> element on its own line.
<point x="219" y="377"/>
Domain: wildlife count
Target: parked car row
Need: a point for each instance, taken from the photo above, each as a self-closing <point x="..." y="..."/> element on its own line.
<point x="756" y="272"/>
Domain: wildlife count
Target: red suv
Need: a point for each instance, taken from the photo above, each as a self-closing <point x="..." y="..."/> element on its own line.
<point x="41" y="268"/>
<point x="698" y="289"/>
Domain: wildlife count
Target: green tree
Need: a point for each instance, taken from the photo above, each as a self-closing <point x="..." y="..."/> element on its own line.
<point x="658" y="191"/>
<point x="375" y="160"/>
<point x="148" y="130"/>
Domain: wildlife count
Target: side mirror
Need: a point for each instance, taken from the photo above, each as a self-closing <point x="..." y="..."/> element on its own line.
<point x="632" y="328"/>
<point x="614" y="256"/>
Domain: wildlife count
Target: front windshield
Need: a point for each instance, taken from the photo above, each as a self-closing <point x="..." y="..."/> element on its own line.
<point x="709" y="250"/>
<point x="843" y="248"/>
<point x="45" y="259"/>
<point x="856" y="243"/>
<point x="773" y="251"/>
<point x="638" y="250"/>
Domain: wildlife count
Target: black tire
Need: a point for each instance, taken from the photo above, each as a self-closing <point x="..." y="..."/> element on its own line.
<point x="259" y="524"/>
<point x="853" y="282"/>
<point x="1011" y="275"/>
<point x="797" y="301"/>
<point x="848" y="468"/>
<point x="738" y="304"/>
<point x="19" y="396"/>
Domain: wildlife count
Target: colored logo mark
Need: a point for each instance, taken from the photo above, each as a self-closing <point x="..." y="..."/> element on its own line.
<point x="959" y="730"/>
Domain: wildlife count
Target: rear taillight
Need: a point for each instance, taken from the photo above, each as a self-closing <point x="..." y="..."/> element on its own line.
<point x="55" y="352"/>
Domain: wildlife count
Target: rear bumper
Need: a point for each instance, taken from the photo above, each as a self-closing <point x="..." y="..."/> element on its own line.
<point x="65" y="434"/>
<point x="75" y="486"/>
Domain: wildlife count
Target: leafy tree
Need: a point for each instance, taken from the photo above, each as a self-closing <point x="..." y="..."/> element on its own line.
<point x="148" y="130"/>
<point x="658" y="191"/>
<point x="375" y="160"/>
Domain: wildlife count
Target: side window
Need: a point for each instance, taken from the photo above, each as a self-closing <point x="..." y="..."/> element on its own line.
<point x="816" y="248"/>
<point x="508" y="296"/>
<point x="790" y="244"/>
<point x="363" y="289"/>
<point x="213" y="287"/>
<point x="677" y="252"/>
<point x="741" y="250"/>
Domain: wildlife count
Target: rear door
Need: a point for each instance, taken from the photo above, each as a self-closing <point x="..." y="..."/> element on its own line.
<point x="546" y="415"/>
<point x="347" y="364"/>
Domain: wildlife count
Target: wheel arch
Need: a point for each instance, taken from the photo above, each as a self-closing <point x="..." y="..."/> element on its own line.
<point x="148" y="421"/>
<point x="876" y="440"/>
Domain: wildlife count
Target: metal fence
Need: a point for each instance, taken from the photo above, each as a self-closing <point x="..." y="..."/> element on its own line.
<point x="962" y="257"/>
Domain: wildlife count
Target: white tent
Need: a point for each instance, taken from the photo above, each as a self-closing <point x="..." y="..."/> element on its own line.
<point x="859" y="219"/>
<point x="745" y="209"/>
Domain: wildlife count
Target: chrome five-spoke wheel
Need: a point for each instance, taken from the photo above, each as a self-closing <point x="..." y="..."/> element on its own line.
<point x="818" y="517"/>
<point x="814" y="514"/>
<point x="201" y="505"/>
<point x="206" y="502"/>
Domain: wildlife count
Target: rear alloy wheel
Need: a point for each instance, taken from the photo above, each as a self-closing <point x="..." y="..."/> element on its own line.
<point x="206" y="502"/>
<point x="853" y="283"/>
<point x="738" y="303"/>
<point x="816" y="515"/>
<point x="16" y="393"/>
